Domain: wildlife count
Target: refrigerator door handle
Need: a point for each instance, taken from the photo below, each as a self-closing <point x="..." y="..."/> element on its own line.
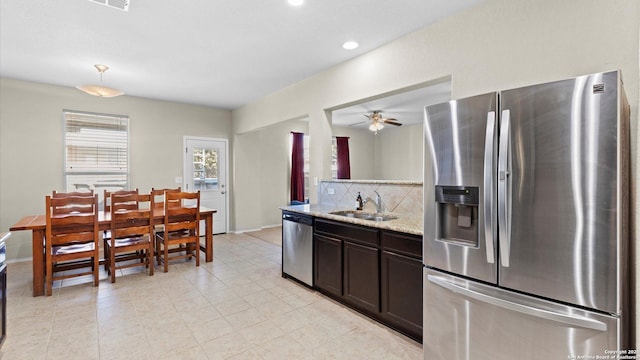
<point x="573" y="320"/>
<point x="488" y="187"/>
<point x="504" y="221"/>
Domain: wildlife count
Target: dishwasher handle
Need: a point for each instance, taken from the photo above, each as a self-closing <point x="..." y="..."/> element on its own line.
<point x="289" y="217"/>
<point x="306" y="220"/>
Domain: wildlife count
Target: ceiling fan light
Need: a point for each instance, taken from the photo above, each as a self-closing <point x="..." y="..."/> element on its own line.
<point x="375" y="126"/>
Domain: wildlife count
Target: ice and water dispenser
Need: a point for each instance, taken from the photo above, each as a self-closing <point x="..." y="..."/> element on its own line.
<point x="457" y="214"/>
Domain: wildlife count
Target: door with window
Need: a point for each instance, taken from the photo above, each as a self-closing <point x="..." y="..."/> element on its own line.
<point x="205" y="169"/>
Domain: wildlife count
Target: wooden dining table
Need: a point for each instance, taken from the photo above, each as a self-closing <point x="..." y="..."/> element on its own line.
<point x="38" y="224"/>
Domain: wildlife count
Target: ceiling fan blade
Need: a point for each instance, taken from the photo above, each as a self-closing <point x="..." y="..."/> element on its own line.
<point x="392" y="122"/>
<point x="358" y="123"/>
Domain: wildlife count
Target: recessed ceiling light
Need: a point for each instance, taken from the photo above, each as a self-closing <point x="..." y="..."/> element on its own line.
<point x="350" y="45"/>
<point x="296" y="2"/>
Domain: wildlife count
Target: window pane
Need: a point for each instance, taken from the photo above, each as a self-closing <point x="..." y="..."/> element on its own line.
<point x="334" y="158"/>
<point x="205" y="169"/>
<point x="306" y="166"/>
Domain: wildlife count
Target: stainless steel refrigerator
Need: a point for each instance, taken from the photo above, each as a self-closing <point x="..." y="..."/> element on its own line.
<point x="526" y="223"/>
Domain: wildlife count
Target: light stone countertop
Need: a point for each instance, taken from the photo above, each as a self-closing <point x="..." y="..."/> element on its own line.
<point x="404" y="223"/>
<point x="382" y="182"/>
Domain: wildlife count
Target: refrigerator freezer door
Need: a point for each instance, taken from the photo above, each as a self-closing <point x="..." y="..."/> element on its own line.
<point x="465" y="320"/>
<point x="460" y="138"/>
<point x="564" y="171"/>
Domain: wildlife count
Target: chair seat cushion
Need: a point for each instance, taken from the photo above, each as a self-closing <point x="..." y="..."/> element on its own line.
<point x="143" y="239"/>
<point x="175" y="235"/>
<point x="72" y="249"/>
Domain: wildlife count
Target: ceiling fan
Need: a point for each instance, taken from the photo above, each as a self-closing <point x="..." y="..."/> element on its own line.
<point x="377" y="121"/>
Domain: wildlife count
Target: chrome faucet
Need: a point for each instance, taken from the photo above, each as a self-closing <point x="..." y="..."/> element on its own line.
<point x="377" y="201"/>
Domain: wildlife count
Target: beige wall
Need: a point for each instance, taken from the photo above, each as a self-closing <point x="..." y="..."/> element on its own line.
<point x="262" y="162"/>
<point x="499" y="44"/>
<point x="31" y="144"/>
<point x="275" y="154"/>
<point x="399" y="153"/>
<point x="362" y="147"/>
<point x="395" y="153"/>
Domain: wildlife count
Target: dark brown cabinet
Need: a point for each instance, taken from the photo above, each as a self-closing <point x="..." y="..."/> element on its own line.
<point x="401" y="281"/>
<point x="361" y="276"/>
<point x="377" y="272"/>
<point x="328" y="264"/>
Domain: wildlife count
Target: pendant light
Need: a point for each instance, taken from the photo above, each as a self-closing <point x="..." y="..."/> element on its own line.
<point x="100" y="90"/>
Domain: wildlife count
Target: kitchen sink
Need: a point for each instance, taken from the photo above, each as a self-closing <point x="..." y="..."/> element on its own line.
<point x="363" y="215"/>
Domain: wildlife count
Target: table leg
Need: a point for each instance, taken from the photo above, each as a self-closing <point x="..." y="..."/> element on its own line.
<point x="208" y="237"/>
<point x="37" y="238"/>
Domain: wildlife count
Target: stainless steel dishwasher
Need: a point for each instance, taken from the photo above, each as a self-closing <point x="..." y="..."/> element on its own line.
<point x="297" y="247"/>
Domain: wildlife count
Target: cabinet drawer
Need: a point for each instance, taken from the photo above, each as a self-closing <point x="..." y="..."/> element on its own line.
<point x="345" y="231"/>
<point x="406" y="244"/>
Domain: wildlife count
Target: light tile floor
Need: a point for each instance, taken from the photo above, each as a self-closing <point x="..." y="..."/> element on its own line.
<point x="236" y="307"/>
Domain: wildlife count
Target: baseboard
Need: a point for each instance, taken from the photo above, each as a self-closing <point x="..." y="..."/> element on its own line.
<point x="258" y="229"/>
<point x="245" y="231"/>
<point x="19" y="260"/>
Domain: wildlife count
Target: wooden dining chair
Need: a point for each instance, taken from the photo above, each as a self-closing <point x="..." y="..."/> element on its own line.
<point x="71" y="240"/>
<point x="71" y="207"/>
<point x="126" y="205"/>
<point x="181" y="228"/>
<point x="131" y="234"/>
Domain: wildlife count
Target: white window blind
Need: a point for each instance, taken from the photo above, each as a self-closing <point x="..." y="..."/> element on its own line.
<point x="307" y="165"/>
<point x="334" y="158"/>
<point x="96" y="151"/>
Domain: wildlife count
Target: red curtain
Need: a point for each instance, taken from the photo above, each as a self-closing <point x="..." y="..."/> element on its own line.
<point x="297" y="167"/>
<point x="344" y="166"/>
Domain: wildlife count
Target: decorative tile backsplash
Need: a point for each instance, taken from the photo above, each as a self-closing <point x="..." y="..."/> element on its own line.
<point x="402" y="197"/>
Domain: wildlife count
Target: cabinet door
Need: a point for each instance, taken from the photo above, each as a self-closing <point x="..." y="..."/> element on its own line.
<point x="362" y="277"/>
<point x="402" y="293"/>
<point x="328" y="264"/>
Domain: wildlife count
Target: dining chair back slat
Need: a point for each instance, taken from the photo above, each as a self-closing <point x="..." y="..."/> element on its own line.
<point x="57" y="195"/>
<point x="123" y="205"/>
<point x="159" y="196"/>
<point x="60" y="207"/>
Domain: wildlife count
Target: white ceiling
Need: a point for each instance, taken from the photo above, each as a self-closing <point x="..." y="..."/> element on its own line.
<point x="406" y="106"/>
<point x="215" y="53"/>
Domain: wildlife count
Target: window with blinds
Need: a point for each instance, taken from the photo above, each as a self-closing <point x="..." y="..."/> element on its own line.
<point x="96" y="151"/>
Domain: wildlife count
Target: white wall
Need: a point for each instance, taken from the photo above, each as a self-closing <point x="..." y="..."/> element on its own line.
<point x="499" y="44"/>
<point x="31" y="144"/>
